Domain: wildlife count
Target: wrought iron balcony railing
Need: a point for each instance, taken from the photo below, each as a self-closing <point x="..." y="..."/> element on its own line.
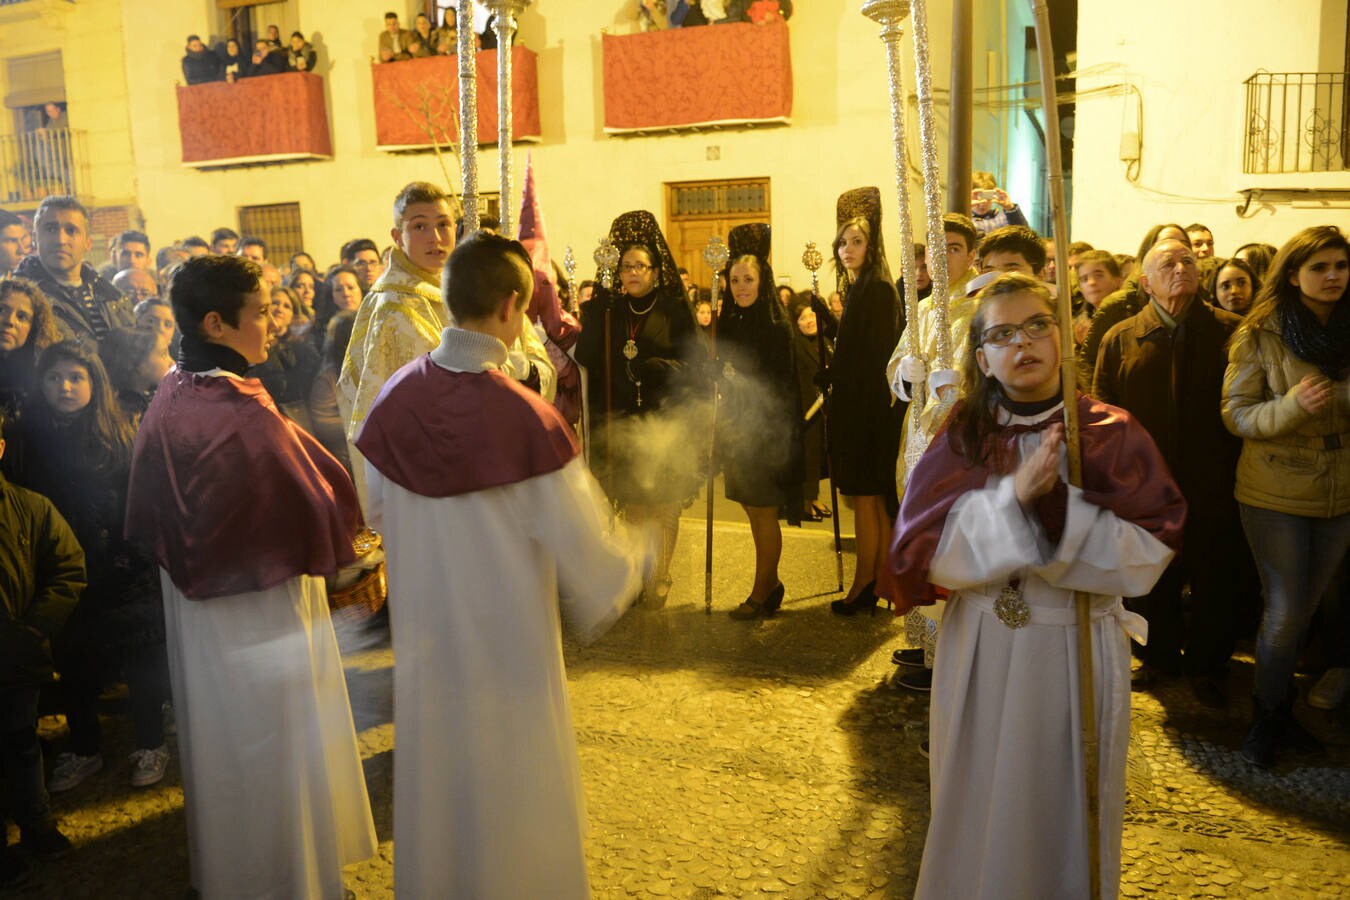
<point x="41" y="163"/>
<point x="1296" y="123"/>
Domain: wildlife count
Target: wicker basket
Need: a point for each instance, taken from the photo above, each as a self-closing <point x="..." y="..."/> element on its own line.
<point x="360" y="591"/>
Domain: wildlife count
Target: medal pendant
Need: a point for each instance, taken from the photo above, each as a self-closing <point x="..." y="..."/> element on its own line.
<point x="630" y="349"/>
<point x="1011" y="609"/>
<point x="729" y="371"/>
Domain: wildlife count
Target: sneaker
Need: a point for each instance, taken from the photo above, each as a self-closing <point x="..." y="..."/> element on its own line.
<point x="911" y="658"/>
<point x="71" y="771"/>
<point x="1331" y="689"/>
<point x="49" y="843"/>
<point x="147" y="766"/>
<point x="923" y="748"/>
<point x="917" y="680"/>
<point x="14" y="868"/>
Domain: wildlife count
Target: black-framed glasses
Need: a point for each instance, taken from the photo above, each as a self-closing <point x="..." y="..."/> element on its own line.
<point x="1033" y="329"/>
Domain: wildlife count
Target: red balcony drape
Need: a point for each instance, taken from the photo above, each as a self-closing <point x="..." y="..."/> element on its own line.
<point x="263" y="119"/>
<point x="690" y="77"/>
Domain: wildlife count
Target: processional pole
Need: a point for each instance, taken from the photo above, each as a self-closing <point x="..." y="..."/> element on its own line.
<point x="504" y="23"/>
<point x="716" y="255"/>
<point x="1087" y="699"/>
<point x="468" y="114"/>
<point x="812" y="259"/>
<point x="607" y="260"/>
<point x="891" y="14"/>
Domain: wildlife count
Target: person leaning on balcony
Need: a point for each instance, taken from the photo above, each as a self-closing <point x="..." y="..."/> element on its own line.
<point x="268" y="60"/>
<point x="200" y="65"/>
<point x="234" y="62"/>
<point x="393" y="40"/>
<point x="301" y="57"/>
<point x="85" y="303"/>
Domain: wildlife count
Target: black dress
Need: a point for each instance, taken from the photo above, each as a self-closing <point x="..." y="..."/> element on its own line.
<point x="865" y="417"/>
<point x="806" y="359"/>
<point x="758" y="438"/>
<point x="643" y="453"/>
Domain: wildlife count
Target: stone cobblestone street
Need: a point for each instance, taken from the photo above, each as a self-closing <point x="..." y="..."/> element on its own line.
<point x="777" y="759"/>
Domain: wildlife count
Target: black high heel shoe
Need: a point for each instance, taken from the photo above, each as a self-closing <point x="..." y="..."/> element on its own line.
<point x="764" y="609"/>
<point x="866" y="599"/>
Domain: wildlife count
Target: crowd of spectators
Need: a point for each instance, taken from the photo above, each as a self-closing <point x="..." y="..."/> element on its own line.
<point x="228" y="61"/>
<point x="654" y="15"/>
<point x="82" y="351"/>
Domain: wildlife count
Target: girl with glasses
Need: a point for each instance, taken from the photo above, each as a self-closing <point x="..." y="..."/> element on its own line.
<point x="990" y="526"/>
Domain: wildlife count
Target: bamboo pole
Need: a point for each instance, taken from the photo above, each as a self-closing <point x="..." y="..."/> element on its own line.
<point x="1068" y="379"/>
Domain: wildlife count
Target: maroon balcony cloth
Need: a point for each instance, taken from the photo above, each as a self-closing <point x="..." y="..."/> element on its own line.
<point x="682" y="77"/>
<point x="239" y="121"/>
<point x="412" y="93"/>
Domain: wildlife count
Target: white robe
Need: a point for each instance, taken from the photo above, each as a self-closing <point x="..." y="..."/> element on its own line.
<point x="1005" y="746"/>
<point x="487" y="789"/>
<point x="273" y="787"/>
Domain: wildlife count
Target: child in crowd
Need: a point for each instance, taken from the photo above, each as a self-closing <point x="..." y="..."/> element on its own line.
<point x="73" y="445"/>
<point x="41" y="577"/>
<point x="989" y="523"/>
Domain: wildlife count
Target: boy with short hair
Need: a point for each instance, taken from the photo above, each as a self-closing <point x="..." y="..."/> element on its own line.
<point x="1012" y="248"/>
<point x="489" y="514"/>
<point x="403" y="315"/>
<point x="245" y="513"/>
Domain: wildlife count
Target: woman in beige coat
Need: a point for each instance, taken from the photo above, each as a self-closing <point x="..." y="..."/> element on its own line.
<point x="1287" y="395"/>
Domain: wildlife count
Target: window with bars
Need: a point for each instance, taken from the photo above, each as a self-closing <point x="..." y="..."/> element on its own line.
<point x="276" y="223"/>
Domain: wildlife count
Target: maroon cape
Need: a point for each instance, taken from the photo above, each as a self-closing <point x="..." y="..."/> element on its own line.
<point x="440" y="433"/>
<point x="228" y="496"/>
<point x="1122" y="471"/>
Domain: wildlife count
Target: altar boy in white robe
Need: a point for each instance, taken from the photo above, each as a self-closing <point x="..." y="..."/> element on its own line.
<point x="489" y="515"/>
<point x="989" y="523"/>
<point x="245" y="512"/>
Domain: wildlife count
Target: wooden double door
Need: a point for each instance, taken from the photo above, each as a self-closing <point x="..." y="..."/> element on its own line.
<point x="698" y="210"/>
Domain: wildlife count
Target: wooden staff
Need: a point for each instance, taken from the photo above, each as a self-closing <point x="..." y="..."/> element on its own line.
<point x="1087" y="700"/>
<point x="716" y="255"/>
<point x="812" y="259"/>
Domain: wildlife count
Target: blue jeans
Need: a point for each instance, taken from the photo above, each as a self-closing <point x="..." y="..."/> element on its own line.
<point x="25" y="794"/>
<point x="1297" y="557"/>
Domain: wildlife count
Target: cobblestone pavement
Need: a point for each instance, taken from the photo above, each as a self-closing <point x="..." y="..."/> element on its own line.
<point x="776" y="758"/>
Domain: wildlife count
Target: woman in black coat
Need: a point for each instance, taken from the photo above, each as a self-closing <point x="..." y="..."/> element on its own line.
<point x="758" y="438"/>
<point x="639" y="384"/>
<point x="808" y="339"/>
<point x="864" y="416"/>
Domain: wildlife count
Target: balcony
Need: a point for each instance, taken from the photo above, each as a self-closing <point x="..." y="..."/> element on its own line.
<point x="43" y="163"/>
<point x="223" y="124"/>
<point x="1296" y="123"/>
<point x="417" y="100"/>
<point x="695" y="78"/>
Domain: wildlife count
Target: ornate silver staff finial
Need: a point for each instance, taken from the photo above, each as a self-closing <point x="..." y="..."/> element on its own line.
<point x="812" y="259"/>
<point x="716" y="254"/>
<point x="607" y="258"/>
<point x="570" y="265"/>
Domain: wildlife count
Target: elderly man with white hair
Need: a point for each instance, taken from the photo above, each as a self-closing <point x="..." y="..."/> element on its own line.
<point x="1165" y="365"/>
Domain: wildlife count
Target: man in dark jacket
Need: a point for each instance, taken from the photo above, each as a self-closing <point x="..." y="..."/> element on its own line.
<point x="41" y="577"/>
<point x="268" y="60"/>
<point x="85" y="304"/>
<point x="200" y="65"/>
<point x="1165" y="365"/>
